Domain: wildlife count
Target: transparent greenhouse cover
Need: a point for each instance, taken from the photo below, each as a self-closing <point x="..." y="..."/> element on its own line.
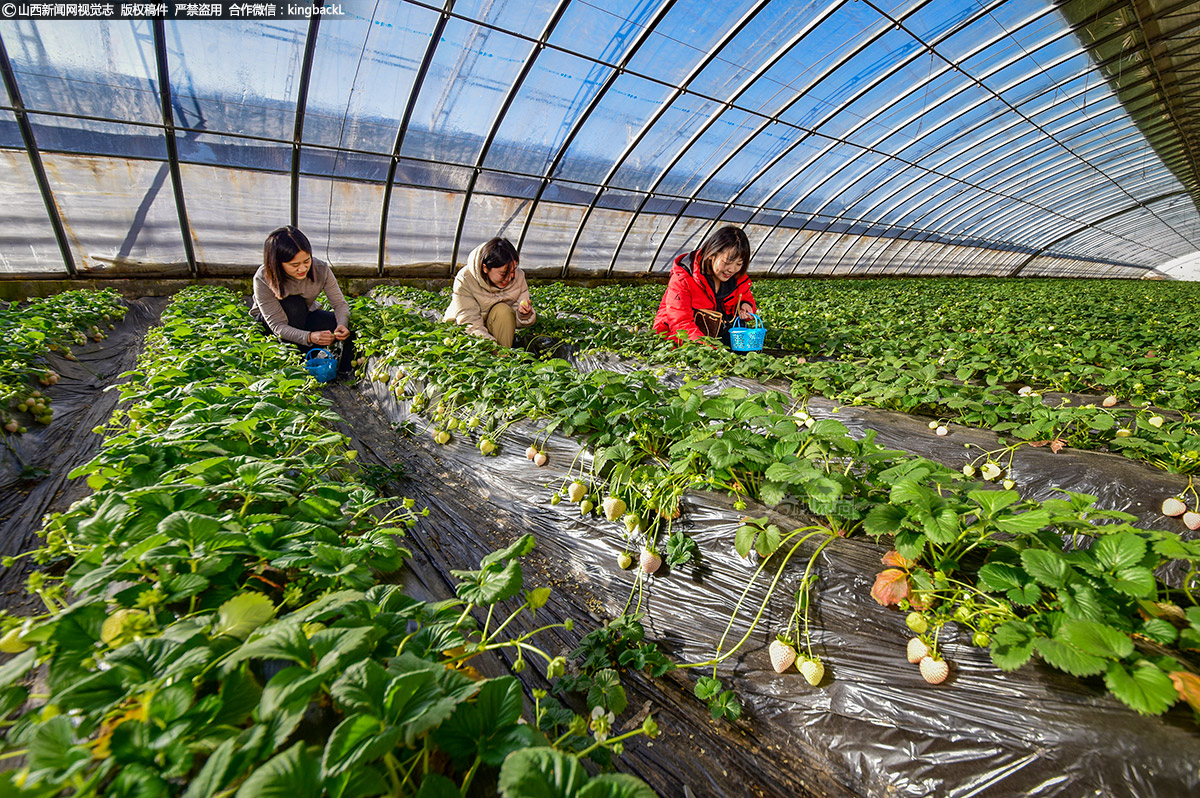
<point x="848" y="137"/>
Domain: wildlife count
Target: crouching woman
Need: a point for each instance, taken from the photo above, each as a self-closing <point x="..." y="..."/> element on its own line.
<point x="286" y="288"/>
<point x="708" y="288"/>
<point x="491" y="296"/>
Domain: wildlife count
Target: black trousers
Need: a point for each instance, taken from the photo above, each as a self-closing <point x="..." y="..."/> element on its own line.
<point x="300" y="317"/>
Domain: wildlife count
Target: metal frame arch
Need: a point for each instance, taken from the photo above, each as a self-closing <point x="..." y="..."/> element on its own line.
<point x="1093" y="225"/>
<point x="618" y="69"/>
<point x="164" y="89"/>
<point x="977" y="81"/>
<point x="678" y="91"/>
<point x="732" y="201"/>
<point x="814" y="130"/>
<point x="35" y="160"/>
<point x="779" y="54"/>
<point x="994" y="95"/>
<point x="402" y="130"/>
<point x="501" y="112"/>
<point x="310" y="50"/>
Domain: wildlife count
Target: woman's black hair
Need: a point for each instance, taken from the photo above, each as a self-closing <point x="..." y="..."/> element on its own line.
<point x="281" y="246"/>
<point x="498" y="252"/>
<point x="726" y="238"/>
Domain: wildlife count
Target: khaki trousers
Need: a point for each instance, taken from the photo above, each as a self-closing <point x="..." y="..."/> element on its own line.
<point x="502" y="323"/>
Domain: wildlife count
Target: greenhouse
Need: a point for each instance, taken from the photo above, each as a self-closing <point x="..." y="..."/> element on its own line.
<point x="561" y="398"/>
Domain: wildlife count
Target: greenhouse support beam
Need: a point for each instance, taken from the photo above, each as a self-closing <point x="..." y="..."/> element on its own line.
<point x="402" y="131"/>
<point x="749" y="139"/>
<point x="35" y="160"/>
<point x="501" y="112"/>
<point x="763" y="68"/>
<point x="164" y="90"/>
<point x="310" y="50"/>
<point x="617" y="70"/>
<point x="1141" y="205"/>
<point x="681" y="89"/>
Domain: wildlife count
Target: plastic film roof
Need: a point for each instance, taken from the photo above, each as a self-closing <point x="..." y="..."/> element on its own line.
<point x="848" y="137"/>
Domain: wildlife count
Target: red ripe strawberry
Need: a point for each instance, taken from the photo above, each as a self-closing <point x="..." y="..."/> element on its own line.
<point x="650" y="560"/>
<point x="917" y="650"/>
<point x="933" y="670"/>
<point x="1173" y="507"/>
<point x="813" y="671"/>
<point x="1191" y="520"/>
<point x="782" y="655"/>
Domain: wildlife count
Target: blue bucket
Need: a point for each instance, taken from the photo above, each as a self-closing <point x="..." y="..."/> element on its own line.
<point x="321" y="364"/>
<point x="747" y="339"/>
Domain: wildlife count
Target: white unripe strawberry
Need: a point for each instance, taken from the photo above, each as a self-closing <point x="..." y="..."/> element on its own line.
<point x="990" y="471"/>
<point x="1123" y="432"/>
<point x="1109" y="401"/>
<point x="1173" y="507"/>
<point x="917" y="650"/>
<point x="531" y="453"/>
<point x="586" y="506"/>
<point x="782" y="655"/>
<point x="1155" y="421"/>
<point x="1009" y="484"/>
<point x="933" y="670"/>
<point x="813" y="671"/>
<point x="486" y="446"/>
<point x="614" y="508"/>
<point x="942" y="430"/>
<point x="541" y="459"/>
<point x="441" y="436"/>
<point x="649" y="560"/>
<point x="933" y="425"/>
<point x="576" y="491"/>
<point x="624" y="561"/>
<point x="1191" y="520"/>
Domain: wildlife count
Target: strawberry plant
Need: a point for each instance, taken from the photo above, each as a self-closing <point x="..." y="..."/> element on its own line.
<point x="217" y="619"/>
<point x="30" y="332"/>
<point x="960" y="550"/>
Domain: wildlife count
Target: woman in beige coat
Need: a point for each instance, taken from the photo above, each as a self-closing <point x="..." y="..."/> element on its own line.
<point x="491" y="296"/>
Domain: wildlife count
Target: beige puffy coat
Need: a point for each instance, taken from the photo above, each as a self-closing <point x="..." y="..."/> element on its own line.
<point x="474" y="297"/>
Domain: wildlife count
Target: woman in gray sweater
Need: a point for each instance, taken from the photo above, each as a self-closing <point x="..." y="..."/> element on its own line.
<point x="286" y="288"/>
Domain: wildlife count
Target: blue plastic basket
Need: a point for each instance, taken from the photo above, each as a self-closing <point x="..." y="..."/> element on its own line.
<point x="321" y="364"/>
<point x="747" y="339"/>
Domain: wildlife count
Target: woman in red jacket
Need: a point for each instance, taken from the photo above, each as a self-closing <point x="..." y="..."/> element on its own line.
<point x="708" y="288"/>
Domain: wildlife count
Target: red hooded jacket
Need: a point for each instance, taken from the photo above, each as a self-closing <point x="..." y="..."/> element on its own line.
<point x="688" y="291"/>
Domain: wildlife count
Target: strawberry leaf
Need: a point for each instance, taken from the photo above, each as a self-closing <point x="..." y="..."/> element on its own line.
<point x="1136" y="582"/>
<point x="999" y="577"/>
<point x="1012" y="645"/>
<point x="1160" y="631"/>
<point x="1024" y="523"/>
<point x="1067" y="658"/>
<point x="242" y="614"/>
<point x="1096" y="638"/>
<point x="1047" y="567"/>
<point x="896" y="560"/>
<point x="1026" y="595"/>
<point x="1119" y="551"/>
<point x="1143" y="688"/>
<point x="993" y="501"/>
<point x="772" y="493"/>
<point x="707" y="687"/>
<point x="891" y="585"/>
<point x="1187" y="685"/>
<point x="884" y="519"/>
